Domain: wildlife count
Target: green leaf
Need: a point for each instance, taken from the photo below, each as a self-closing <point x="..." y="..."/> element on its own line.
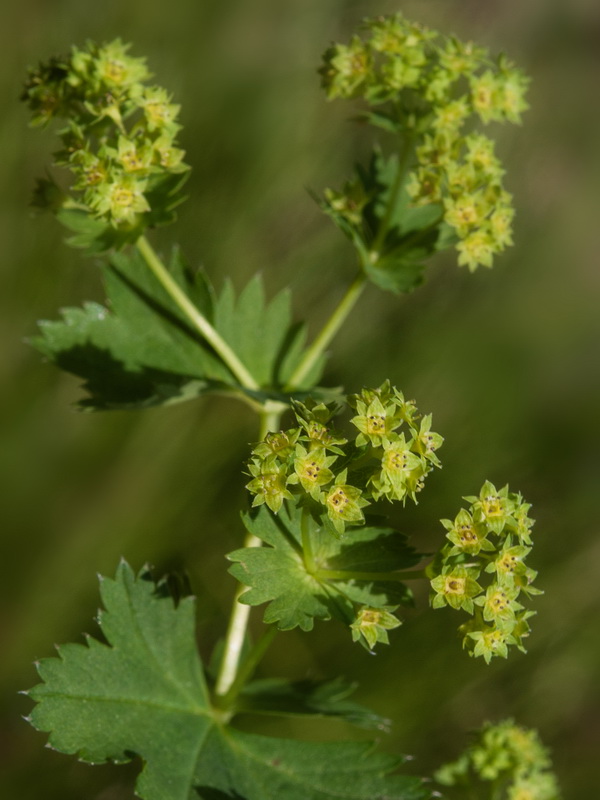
<point x="278" y="575"/>
<point x="140" y="350"/>
<point x="262" y="334"/>
<point x="143" y="694"/>
<point x="412" y="233"/>
<point x="281" y="697"/>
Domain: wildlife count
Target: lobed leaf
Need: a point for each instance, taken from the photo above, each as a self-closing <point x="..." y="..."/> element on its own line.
<point x="143" y="694"/>
<point x="278" y="575"/>
<point x="140" y="350"/>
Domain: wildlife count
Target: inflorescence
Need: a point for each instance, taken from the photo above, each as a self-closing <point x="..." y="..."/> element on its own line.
<point x="432" y="91"/>
<point x="504" y="755"/>
<point x="489" y="540"/>
<point x="337" y="477"/>
<point x="119" y="141"/>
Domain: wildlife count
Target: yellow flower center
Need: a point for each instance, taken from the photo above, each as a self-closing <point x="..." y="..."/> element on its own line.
<point x="455" y="585"/>
<point x="375" y="423"/>
<point x="338" y="500"/>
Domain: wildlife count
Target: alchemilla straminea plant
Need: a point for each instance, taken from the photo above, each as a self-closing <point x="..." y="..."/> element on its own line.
<point x="317" y="546"/>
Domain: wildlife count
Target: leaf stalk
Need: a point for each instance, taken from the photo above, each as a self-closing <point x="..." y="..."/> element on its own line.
<point x="198" y="320"/>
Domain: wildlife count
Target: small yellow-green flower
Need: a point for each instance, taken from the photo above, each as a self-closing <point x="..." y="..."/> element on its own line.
<point x="118" y="70"/>
<point x="281" y="444"/>
<point x="375" y="421"/>
<point x="426" y="441"/>
<point x="121" y="200"/>
<point x="344" y="503"/>
<point x="372" y="625"/>
<point x="398" y="465"/>
<point x="311" y="470"/>
<point x="489" y="642"/>
<point x="268" y="485"/>
<point x="466" y="535"/>
<point x="345" y="68"/>
<point x="495" y="507"/>
<point x="509" y="561"/>
<point x="485" y="96"/>
<point x="456" y="587"/>
<point x="476" y="249"/>
<point x="499" y="604"/>
<point x="159" y="111"/>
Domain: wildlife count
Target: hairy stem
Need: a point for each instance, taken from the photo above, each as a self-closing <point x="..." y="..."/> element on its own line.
<point x="327" y="333"/>
<point x="240" y="613"/>
<point x="198" y="320"/>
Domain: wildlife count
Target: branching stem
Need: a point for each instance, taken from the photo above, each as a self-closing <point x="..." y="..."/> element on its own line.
<point x="240" y="613"/>
<point x="327" y="333"/>
<point x="270" y="414"/>
<point x="198" y="320"/>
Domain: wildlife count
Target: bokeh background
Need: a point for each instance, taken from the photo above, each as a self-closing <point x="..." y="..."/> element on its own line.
<point x="507" y="361"/>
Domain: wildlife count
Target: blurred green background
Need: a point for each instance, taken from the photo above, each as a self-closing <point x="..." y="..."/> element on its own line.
<point x="507" y="362"/>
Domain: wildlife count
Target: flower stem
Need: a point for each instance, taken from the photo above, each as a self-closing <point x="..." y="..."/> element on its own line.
<point x="240" y="612"/>
<point x="198" y="320"/>
<point x="306" y="542"/>
<point x="329" y="330"/>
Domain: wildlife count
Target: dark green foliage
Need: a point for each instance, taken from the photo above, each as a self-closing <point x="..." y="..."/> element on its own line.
<point x="144" y="694"/>
<point x="140" y="350"/>
<point x="410" y="234"/>
<point x="280" y="697"/>
<point x="278" y="574"/>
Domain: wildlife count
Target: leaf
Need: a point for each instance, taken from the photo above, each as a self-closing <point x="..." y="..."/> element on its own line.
<point x="308" y="698"/>
<point x="278" y="575"/>
<point x="140" y="350"/>
<point x="262" y="333"/>
<point x="143" y="693"/>
<point x="412" y="233"/>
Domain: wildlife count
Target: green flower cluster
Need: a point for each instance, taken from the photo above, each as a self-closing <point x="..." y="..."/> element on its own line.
<point x="335" y="477"/>
<point x="120" y="138"/>
<point x="511" y="757"/>
<point x="432" y="90"/>
<point x="492" y="539"/>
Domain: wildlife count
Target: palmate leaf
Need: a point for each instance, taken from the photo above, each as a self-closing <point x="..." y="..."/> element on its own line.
<point x="277" y="574"/>
<point x="140" y="349"/>
<point x="144" y="694"/>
